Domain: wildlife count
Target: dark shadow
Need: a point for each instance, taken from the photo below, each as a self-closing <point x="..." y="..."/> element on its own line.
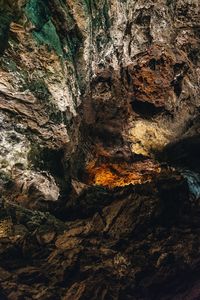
<point x="145" y="109"/>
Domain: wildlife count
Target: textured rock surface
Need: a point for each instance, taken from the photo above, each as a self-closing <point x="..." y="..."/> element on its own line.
<point x="133" y="65"/>
<point x="94" y="95"/>
<point x="138" y="245"/>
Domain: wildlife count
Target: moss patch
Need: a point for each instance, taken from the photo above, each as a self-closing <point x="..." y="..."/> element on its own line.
<point x="45" y="32"/>
<point x="39" y="89"/>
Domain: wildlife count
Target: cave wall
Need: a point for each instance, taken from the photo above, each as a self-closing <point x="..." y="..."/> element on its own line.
<point x="40" y="86"/>
<point x="93" y="95"/>
<point x="124" y="71"/>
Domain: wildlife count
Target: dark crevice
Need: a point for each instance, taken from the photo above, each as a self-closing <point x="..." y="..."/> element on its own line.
<point x="48" y="160"/>
<point x="155" y="62"/>
<point x="128" y="28"/>
<point x="143" y="19"/>
<point x="180" y="70"/>
<point x="194" y="55"/>
<point x="183" y="153"/>
<point x="128" y="77"/>
<point x="5" y="20"/>
<point x="146" y="109"/>
<point x="152" y="64"/>
<point x="177" y="85"/>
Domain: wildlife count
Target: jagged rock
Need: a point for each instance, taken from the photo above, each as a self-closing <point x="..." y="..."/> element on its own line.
<point x="125" y="251"/>
<point x="133" y="66"/>
<point x="97" y="100"/>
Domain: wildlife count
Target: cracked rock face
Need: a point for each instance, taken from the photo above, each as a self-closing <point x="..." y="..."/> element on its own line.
<point x="120" y="77"/>
<point x="99" y="126"/>
<point x="138" y="246"/>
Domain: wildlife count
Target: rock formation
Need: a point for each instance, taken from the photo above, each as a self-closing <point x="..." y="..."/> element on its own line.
<point x="99" y="149"/>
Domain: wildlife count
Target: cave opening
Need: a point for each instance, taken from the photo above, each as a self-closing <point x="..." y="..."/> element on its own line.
<point x="184" y="157"/>
<point x="145" y="109"/>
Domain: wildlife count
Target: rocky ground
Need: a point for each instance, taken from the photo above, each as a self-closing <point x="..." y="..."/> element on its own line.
<point x="99" y="149"/>
<point x="139" y="242"/>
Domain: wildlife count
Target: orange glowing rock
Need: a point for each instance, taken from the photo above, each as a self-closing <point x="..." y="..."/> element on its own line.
<point x="115" y="175"/>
